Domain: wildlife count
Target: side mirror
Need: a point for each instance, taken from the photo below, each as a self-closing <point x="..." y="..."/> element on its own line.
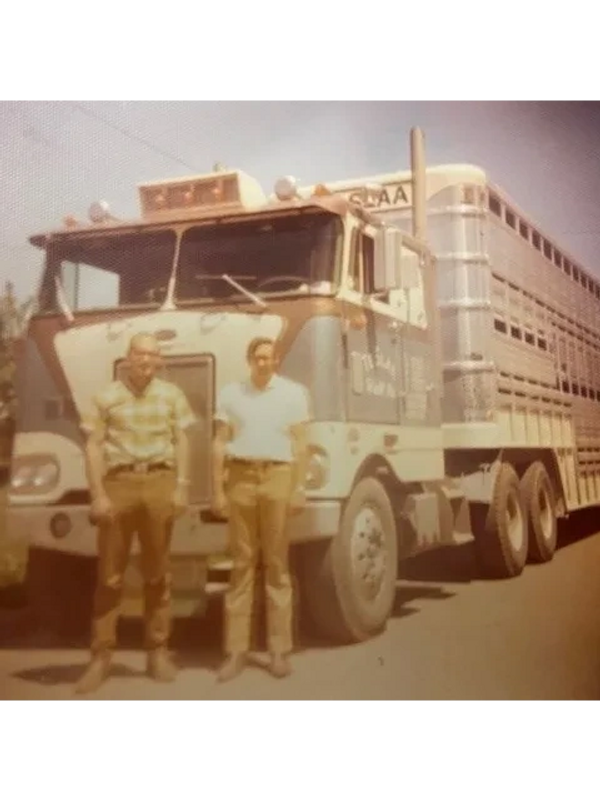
<point x="409" y="272"/>
<point x="388" y="249"/>
<point x="397" y="266"/>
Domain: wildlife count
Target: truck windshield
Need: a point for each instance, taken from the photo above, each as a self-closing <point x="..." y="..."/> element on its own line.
<point x="279" y="254"/>
<point x="107" y="270"/>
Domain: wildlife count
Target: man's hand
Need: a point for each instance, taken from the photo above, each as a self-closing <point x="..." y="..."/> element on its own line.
<point x="101" y="509"/>
<point x="297" y="501"/>
<point x="218" y="501"/>
<point x="181" y="500"/>
<point x="218" y="504"/>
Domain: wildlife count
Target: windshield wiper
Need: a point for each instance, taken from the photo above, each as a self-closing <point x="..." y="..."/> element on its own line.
<point x="255" y="299"/>
<point x="61" y="299"/>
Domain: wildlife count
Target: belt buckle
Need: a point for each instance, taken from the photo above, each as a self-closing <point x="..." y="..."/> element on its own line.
<point x="140" y="468"/>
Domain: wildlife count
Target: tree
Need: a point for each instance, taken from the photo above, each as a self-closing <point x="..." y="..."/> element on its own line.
<point x="14" y="317"/>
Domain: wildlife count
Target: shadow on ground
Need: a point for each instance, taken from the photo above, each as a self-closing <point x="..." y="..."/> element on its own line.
<point x="193" y="643"/>
<point x="69" y="674"/>
<point x="455" y="564"/>
<point x="579" y="526"/>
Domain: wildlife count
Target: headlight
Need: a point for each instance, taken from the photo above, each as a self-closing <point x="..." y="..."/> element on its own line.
<point x="317" y="472"/>
<point x="34" y="474"/>
<point x="21" y="477"/>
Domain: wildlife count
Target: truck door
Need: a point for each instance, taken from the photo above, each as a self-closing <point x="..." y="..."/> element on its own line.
<point x="374" y="382"/>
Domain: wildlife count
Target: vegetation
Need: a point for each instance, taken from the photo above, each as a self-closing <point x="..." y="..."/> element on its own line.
<point x="13" y="558"/>
<point x="13" y="319"/>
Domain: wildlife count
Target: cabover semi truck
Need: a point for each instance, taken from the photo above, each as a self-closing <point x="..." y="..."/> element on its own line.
<point x="451" y="350"/>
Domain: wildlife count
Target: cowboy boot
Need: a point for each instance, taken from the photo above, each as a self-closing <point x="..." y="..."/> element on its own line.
<point x="96" y="673"/>
<point x="232" y="667"/>
<point x="280" y="666"/>
<point x="160" y="666"/>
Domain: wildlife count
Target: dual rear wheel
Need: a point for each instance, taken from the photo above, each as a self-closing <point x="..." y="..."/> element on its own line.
<point x="519" y="523"/>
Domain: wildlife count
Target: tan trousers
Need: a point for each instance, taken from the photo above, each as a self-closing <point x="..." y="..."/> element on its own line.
<point x="259" y="497"/>
<point x="143" y="505"/>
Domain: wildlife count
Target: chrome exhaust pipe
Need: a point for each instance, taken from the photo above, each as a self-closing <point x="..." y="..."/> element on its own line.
<point x="418" y="177"/>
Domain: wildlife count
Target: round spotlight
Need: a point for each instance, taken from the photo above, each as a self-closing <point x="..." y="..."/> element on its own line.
<point x="99" y="211"/>
<point x="286" y="188"/>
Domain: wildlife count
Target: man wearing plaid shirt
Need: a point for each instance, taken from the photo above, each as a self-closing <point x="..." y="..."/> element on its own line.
<point x="137" y="460"/>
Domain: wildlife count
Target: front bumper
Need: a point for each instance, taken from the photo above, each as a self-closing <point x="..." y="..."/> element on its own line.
<point x="192" y="535"/>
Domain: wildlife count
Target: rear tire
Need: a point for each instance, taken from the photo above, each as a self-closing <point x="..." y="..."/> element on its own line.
<point x="500" y="529"/>
<point x="539" y="501"/>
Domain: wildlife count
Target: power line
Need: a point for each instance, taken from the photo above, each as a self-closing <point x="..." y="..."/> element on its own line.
<point x="140" y="139"/>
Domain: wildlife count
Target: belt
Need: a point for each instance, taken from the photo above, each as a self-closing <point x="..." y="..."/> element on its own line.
<point x="258" y="462"/>
<point x="139" y="468"/>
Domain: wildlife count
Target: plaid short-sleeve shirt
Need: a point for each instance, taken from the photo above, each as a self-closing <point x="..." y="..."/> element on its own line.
<point x="139" y="427"/>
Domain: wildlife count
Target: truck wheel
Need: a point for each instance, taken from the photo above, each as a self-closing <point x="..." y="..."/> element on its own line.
<point x="349" y="582"/>
<point x="60" y="592"/>
<point x="500" y="529"/>
<point x="540" y="507"/>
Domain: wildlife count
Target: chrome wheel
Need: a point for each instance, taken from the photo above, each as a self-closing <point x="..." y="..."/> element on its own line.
<point x="368" y="552"/>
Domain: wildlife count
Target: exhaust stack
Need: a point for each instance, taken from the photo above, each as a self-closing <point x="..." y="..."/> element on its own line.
<point x="417" y="166"/>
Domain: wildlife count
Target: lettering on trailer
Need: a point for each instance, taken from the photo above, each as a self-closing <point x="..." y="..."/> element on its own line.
<point x="393" y="194"/>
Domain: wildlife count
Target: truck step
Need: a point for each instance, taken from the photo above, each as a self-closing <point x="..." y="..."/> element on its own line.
<point x="453" y="493"/>
<point x="220" y="564"/>
<point x="218" y="573"/>
<point x="215" y="588"/>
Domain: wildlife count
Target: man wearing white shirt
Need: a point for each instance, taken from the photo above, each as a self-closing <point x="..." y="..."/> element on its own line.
<point x="260" y="441"/>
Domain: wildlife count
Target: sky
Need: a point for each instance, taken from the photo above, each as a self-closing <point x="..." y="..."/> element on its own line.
<point x="58" y="157"/>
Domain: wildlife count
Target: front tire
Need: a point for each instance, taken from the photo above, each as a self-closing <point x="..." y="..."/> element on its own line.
<point x="349" y="582"/>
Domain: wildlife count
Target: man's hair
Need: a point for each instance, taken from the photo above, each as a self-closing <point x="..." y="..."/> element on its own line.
<point x="137" y="337"/>
<point x="257" y="342"/>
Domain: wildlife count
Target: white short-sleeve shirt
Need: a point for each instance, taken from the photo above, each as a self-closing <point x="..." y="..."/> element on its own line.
<point x="261" y="419"/>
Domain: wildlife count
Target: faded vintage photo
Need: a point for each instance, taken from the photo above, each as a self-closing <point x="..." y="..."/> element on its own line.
<point x="300" y="400"/>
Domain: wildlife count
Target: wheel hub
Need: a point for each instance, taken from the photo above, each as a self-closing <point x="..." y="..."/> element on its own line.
<point x="368" y="551"/>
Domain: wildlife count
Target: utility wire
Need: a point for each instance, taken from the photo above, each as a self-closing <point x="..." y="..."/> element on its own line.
<point x="140" y="139"/>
